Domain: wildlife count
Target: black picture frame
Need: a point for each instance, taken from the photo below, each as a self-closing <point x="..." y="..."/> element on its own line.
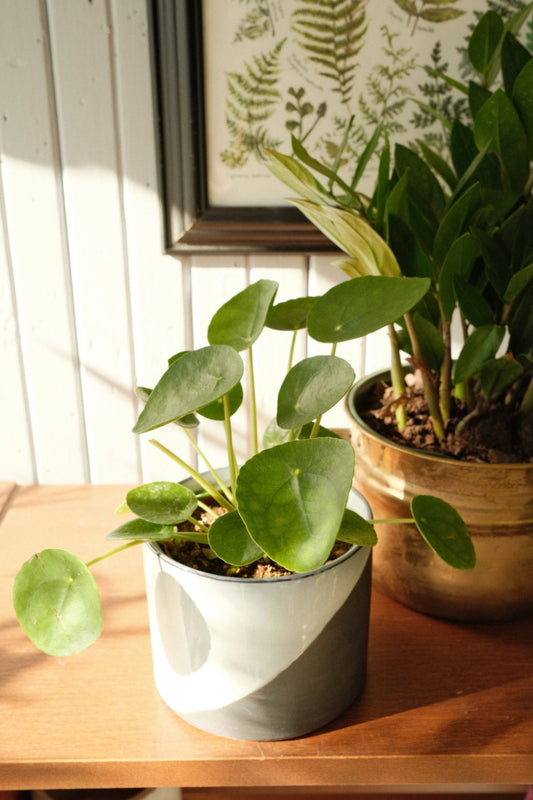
<point x="191" y="224"/>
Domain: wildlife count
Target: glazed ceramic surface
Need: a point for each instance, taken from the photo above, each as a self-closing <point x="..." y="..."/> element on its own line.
<point x="260" y="659"/>
<point x="496" y="502"/>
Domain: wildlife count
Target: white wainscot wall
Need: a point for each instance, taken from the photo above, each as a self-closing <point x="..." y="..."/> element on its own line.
<point x="89" y="304"/>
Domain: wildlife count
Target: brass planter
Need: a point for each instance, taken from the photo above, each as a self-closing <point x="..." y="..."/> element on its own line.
<point x="496" y="502"/>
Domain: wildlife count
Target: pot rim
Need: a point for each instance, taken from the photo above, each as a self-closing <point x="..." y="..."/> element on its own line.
<point x="256" y="581"/>
<point x="369" y="380"/>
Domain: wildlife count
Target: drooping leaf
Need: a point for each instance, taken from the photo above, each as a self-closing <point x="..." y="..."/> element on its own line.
<point x="239" y="322"/>
<point x="195" y="379"/>
<point x="230" y="540"/>
<point x="292" y="499"/>
<point x="163" y="502"/>
<point x="57" y="603"/>
<point x="290" y="315"/>
<point x="444" y="530"/>
<point x="141" y="530"/>
<point x="356" y="530"/>
<point x="311" y="388"/>
<point x="358" y="307"/>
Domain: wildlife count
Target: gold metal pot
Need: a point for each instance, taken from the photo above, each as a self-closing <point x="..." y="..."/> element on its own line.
<point x="496" y="502"/>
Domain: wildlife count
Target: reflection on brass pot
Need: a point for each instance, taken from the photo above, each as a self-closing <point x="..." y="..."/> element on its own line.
<point x="496" y="502"/>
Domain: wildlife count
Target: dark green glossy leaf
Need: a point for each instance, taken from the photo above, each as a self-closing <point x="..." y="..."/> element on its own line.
<point x="239" y="322"/>
<point x="518" y="283"/>
<point x="498" y="126"/>
<point x="523" y="100"/>
<point x="457" y="261"/>
<point x="215" y="410"/>
<point x="195" y="379"/>
<point x="454" y="222"/>
<point x="311" y="388"/>
<point x="430" y="341"/>
<point x="498" y="374"/>
<point x="484" y="40"/>
<point x="514" y="57"/>
<point x="481" y="345"/>
<point x="230" y="540"/>
<point x="292" y="499"/>
<point x="444" y="531"/>
<point x="57" y="603"/>
<point x="362" y="305"/>
<point x="163" y="502"/>
<point x="476" y="309"/>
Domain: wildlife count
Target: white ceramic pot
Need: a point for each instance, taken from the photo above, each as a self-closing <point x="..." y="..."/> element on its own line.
<point x="263" y="659"/>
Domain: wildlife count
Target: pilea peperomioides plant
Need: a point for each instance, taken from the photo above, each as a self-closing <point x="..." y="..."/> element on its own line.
<point x="463" y="219"/>
<point x="288" y="501"/>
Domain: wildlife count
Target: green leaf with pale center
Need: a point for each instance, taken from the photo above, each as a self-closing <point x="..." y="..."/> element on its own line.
<point x="57" y="603"/>
<point x="444" y="530"/>
<point x="292" y="499"/>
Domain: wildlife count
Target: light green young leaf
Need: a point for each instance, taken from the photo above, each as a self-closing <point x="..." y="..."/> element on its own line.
<point x="195" y="379"/>
<point x="294" y="175"/>
<point x="239" y="322"/>
<point x="163" y="502"/>
<point x="292" y="499"/>
<point x="311" y="388"/>
<point x="444" y="531"/>
<point x="353" y="235"/>
<point x="57" y="603"/>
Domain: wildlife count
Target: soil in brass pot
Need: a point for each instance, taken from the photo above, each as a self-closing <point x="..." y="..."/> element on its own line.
<point x="496" y="436"/>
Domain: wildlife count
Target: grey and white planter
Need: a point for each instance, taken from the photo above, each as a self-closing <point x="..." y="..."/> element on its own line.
<point x="265" y="659"/>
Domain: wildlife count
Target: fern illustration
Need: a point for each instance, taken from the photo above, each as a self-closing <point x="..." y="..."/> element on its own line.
<point x="429" y="11"/>
<point x="332" y="35"/>
<point x="256" y="23"/>
<point x="386" y="90"/>
<point x="439" y="96"/>
<point x="252" y="98"/>
<point x="302" y="109"/>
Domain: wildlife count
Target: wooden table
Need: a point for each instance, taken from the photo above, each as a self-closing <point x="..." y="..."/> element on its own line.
<point x="447" y="707"/>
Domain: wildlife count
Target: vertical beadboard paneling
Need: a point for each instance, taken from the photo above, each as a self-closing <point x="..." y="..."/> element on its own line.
<point x="271" y="352"/>
<point x="322" y="276"/>
<point x="81" y="47"/>
<point x="214" y="279"/>
<point x="35" y="232"/>
<point x="158" y="284"/>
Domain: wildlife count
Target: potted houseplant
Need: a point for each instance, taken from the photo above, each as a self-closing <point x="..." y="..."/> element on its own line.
<point x="464" y="219"/>
<point x="250" y="657"/>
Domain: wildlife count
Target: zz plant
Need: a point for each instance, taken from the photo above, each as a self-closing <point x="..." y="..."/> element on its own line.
<point x="288" y="501"/>
<point x="462" y="218"/>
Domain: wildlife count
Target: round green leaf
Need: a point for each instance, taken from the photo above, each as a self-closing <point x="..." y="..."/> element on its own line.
<point x="444" y="531"/>
<point x="292" y="499"/>
<point x="230" y="540"/>
<point x="57" y="603"/>
<point x="192" y="381"/>
<point x="362" y="305"/>
<point x="163" y="502"/>
<point x="311" y="387"/>
<point x="291" y="315"/>
<point x="215" y="410"/>
<point x="239" y="322"/>
<point x="141" y="530"/>
<point x="356" y="530"/>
